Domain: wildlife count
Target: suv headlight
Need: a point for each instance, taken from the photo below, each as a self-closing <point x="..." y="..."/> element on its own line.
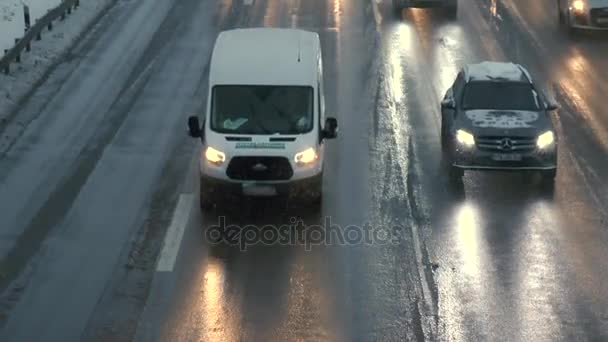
<point x="465" y="138"/>
<point x="215" y="156"/>
<point x="306" y="157"/>
<point x="578" y="5"/>
<point x="545" y="140"/>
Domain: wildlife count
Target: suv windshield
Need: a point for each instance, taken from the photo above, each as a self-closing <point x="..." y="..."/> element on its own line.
<point x="248" y="109"/>
<point x="500" y="96"/>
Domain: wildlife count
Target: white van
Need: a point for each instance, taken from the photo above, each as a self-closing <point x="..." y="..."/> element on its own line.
<point x="265" y="128"/>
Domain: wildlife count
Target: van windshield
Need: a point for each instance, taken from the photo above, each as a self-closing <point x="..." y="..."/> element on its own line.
<point x="264" y="110"/>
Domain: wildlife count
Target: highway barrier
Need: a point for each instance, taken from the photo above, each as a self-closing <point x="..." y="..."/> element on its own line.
<point x="34" y="32"/>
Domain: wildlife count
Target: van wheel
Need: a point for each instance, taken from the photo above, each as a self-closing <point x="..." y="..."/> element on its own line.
<point x="316" y="193"/>
<point x="205" y="196"/>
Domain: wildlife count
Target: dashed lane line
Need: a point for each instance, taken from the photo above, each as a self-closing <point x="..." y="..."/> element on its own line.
<point x="173" y="239"/>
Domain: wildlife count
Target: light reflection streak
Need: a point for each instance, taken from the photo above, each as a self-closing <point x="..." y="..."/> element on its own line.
<point x="468" y="236"/>
<point x="337" y="12"/>
<point x="446" y="61"/>
<point x="494" y="8"/>
<point x="214" y="311"/>
<point x="537" y="275"/>
<point x="577" y="81"/>
<point x="402" y="40"/>
<point x="306" y="308"/>
<point x="225" y="9"/>
<point x="337" y="25"/>
<point x="466" y="292"/>
<point x="271" y="17"/>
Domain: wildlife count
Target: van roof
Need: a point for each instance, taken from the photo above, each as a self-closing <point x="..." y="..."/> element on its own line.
<point x="265" y="56"/>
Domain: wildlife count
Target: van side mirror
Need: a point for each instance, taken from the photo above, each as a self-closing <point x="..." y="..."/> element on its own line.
<point x="330" y="131"/>
<point x="194" y="127"/>
<point x="448" y="103"/>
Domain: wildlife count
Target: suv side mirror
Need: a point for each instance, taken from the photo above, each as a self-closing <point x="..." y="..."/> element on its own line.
<point x="330" y="131"/>
<point x="551" y="106"/>
<point x="194" y="127"/>
<point x="448" y="103"/>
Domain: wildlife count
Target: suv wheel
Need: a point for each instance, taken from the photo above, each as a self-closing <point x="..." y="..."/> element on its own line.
<point x="445" y="142"/>
<point x="572" y="31"/>
<point x="451" y="12"/>
<point x="549" y="176"/>
<point x="548" y="181"/>
<point x="456" y="173"/>
<point x="397" y="9"/>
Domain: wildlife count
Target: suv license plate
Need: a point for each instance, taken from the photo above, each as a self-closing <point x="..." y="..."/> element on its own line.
<point x="507" y="157"/>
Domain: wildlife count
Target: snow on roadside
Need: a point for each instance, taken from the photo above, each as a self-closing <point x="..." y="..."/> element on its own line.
<point x="23" y="76"/>
<point x="11" y="23"/>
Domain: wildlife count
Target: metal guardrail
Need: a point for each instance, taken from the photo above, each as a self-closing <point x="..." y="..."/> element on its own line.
<point x="35" y="32"/>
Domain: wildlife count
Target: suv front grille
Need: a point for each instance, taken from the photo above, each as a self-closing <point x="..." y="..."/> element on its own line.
<point x="259" y="168"/>
<point x="598" y="14"/>
<point x="506" y="144"/>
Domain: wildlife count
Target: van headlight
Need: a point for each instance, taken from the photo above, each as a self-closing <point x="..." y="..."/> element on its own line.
<point x="545" y="140"/>
<point x="306" y="157"/>
<point x="215" y="156"/>
<point x="578" y="5"/>
<point x="465" y="138"/>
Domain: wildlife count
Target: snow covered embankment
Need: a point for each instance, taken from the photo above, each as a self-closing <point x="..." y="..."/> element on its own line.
<point x="25" y="75"/>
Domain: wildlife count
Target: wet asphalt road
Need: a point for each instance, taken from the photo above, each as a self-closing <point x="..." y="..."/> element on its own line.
<point x="96" y="163"/>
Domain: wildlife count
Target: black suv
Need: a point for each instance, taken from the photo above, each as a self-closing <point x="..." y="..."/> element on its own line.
<point x="495" y="118"/>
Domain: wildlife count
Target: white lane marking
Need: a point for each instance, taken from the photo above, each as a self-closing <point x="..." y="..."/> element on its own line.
<point x="173" y="239"/>
<point x="248" y="2"/>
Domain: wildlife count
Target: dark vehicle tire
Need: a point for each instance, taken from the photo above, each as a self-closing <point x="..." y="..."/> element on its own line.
<point x="570" y="30"/>
<point x="548" y="182"/>
<point x="445" y="141"/>
<point x="451" y="12"/>
<point x="205" y="197"/>
<point x="549" y="176"/>
<point x="397" y="9"/>
<point x="316" y="193"/>
<point x="456" y="173"/>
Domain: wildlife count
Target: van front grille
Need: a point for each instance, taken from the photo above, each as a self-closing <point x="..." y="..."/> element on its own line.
<point x="259" y="168"/>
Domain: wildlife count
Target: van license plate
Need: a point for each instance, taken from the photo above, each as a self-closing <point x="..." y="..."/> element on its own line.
<point x="507" y="157"/>
<point x="252" y="189"/>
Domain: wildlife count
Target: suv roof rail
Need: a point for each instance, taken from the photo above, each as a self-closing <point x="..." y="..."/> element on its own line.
<point x="525" y="73"/>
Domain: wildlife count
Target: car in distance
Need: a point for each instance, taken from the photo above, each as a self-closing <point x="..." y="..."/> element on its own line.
<point x="583" y="14"/>
<point x="264" y="130"/>
<point x="450" y="6"/>
<point x="495" y="118"/>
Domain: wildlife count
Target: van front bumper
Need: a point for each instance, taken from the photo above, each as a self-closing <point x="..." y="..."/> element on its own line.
<point x="223" y="187"/>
